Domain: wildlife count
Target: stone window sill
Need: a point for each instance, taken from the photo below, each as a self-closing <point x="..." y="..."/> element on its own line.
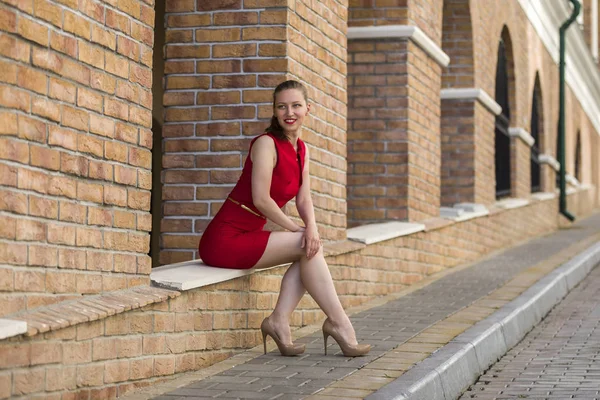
<point x="375" y="233"/>
<point x="464" y="211"/>
<point x="10" y="328"/>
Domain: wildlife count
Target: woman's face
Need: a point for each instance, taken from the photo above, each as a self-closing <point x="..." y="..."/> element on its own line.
<point x="290" y="109"/>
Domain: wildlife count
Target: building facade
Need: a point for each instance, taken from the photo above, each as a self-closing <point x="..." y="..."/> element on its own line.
<point x="124" y="124"/>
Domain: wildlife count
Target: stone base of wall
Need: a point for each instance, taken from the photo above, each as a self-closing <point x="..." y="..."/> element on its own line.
<point x="115" y="354"/>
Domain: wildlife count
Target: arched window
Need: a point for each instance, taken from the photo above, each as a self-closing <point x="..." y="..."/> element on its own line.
<point x="578" y="156"/>
<point x="502" y="139"/>
<point x="535" y="130"/>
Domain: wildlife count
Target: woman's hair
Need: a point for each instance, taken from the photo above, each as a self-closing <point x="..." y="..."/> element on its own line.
<point x="274" y="127"/>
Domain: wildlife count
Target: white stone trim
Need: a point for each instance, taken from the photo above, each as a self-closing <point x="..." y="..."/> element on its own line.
<point x="194" y="274"/>
<point x="374" y="233"/>
<point x="551" y="161"/>
<point x="464" y="211"/>
<point x="472" y="94"/>
<point x="571" y="180"/>
<point x="541" y="196"/>
<point x="512" y="203"/>
<point x="10" y="328"/>
<point x="401" y="31"/>
<point x="451" y="212"/>
<point x="521" y="134"/>
<point x="582" y="74"/>
<point x="471" y="207"/>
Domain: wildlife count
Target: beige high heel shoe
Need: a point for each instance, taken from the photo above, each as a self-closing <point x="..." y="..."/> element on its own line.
<point x="349" y="350"/>
<point x="285" y="349"/>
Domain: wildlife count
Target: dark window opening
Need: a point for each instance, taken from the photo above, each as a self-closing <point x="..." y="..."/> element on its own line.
<point x="535" y="150"/>
<point x="557" y="152"/>
<point x="157" y="125"/>
<point x="502" y="138"/>
<point x="578" y="157"/>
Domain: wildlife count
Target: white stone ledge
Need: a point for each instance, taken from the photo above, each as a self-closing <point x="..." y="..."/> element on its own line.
<point x="571" y="180"/>
<point x="512" y="203"/>
<point x="551" y="161"/>
<point x="401" y="31"/>
<point x="464" y="211"/>
<point x="541" y="196"/>
<point x="10" y="328"/>
<point x="194" y="274"/>
<point x="521" y="134"/>
<point x="374" y="233"/>
<point x="472" y="94"/>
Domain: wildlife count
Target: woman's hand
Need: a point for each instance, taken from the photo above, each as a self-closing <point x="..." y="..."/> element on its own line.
<point x="311" y="241"/>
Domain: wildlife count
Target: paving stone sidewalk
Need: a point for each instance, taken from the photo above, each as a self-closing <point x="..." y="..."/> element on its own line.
<point x="559" y="359"/>
<point x="386" y="327"/>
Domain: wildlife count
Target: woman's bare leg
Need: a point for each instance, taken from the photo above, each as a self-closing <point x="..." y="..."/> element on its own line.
<point x="311" y="274"/>
<point x="290" y="294"/>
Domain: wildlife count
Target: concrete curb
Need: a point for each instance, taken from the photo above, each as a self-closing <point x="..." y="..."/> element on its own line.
<point x="448" y="372"/>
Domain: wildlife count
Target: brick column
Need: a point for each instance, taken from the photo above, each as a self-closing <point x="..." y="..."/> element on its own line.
<point x="465" y="118"/>
<point x="394" y="145"/>
<point x="467" y="147"/>
<point x="74" y="149"/>
<point x="223" y="59"/>
<point x="520" y="162"/>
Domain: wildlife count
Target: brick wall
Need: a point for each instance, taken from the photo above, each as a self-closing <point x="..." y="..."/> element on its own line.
<point x="377" y="150"/>
<point x="457" y="43"/>
<point x="394" y="152"/>
<point x="74" y="148"/>
<point x="221" y="63"/>
<point x="520" y="168"/>
<point x="223" y="60"/>
<point x="457" y="125"/>
<point x="426" y="14"/>
<point x="458" y="151"/>
<point x="484" y="155"/>
<point x="317" y="57"/>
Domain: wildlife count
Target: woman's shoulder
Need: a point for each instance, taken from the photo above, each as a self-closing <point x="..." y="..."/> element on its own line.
<point x="263" y="141"/>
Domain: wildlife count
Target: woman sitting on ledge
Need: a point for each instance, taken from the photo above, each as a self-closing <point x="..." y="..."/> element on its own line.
<point x="276" y="171"/>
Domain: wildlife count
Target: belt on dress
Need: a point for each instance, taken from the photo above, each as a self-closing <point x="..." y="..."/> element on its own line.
<point x="245" y="207"/>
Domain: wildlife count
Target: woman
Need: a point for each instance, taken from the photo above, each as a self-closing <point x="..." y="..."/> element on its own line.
<point x="276" y="171"/>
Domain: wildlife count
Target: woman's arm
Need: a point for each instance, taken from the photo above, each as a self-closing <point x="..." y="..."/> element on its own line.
<point x="263" y="156"/>
<point x="304" y="204"/>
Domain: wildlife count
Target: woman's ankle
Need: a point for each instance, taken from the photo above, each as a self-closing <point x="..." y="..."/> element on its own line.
<point x="279" y="319"/>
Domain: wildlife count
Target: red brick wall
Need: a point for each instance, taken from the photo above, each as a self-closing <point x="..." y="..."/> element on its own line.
<point x="520" y="168"/>
<point x="484" y="155"/>
<point x="458" y="151"/>
<point x="74" y="148"/>
<point x="425" y="14"/>
<point x="377" y="149"/>
<point x="223" y="60"/>
<point x="423" y="134"/>
<point x="221" y="64"/>
<point x="317" y="57"/>
<point x="457" y="43"/>
<point x="394" y="150"/>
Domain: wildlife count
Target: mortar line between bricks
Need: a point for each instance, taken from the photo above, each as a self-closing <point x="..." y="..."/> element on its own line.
<point x="400" y="347"/>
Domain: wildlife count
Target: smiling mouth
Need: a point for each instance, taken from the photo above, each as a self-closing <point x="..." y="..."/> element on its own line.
<point x="289" y="121"/>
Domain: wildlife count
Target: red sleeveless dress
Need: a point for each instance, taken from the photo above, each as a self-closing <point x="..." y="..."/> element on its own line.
<point x="235" y="237"/>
